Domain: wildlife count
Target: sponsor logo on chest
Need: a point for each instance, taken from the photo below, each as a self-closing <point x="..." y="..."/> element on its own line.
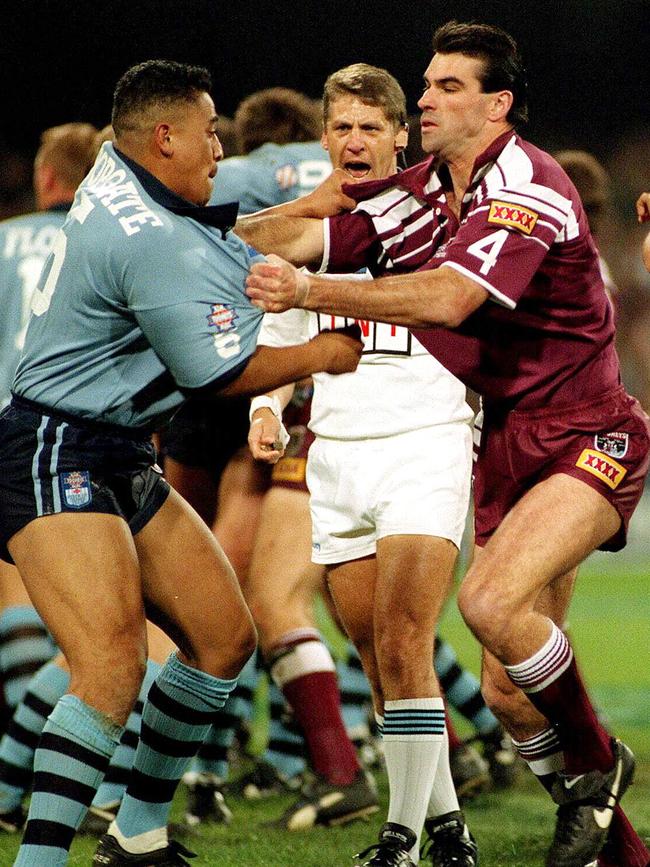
<point x="223" y="317"/>
<point x="516" y="216"/>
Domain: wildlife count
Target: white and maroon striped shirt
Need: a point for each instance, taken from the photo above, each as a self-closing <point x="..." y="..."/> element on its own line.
<point x="548" y="336"/>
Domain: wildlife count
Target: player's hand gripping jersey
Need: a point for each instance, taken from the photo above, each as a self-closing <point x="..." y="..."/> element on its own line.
<point x="547" y="333"/>
<point x="138" y="302"/>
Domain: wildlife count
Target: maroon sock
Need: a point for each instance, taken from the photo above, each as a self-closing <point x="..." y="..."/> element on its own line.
<point x="316" y="704"/>
<point x="552" y="682"/>
<point x="624" y="847"/>
<point x="454" y="740"/>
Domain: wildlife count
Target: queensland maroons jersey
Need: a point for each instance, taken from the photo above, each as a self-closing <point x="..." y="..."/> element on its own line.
<point x="546" y="334"/>
<point x="397" y="387"/>
<point x="270" y="175"/>
<point x="25" y="243"/>
<point x="141" y="299"/>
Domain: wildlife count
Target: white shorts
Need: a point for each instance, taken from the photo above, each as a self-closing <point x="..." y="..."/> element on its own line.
<point x="415" y="483"/>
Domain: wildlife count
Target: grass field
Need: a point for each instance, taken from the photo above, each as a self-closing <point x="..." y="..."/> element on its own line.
<point x="610" y="625"/>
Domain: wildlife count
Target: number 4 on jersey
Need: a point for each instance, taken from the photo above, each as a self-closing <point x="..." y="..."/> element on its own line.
<point x="487" y="249"/>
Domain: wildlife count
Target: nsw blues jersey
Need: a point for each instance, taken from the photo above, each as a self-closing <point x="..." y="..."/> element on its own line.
<point x="271" y="175"/>
<point x="136" y="303"/>
<point x="25" y="243"/>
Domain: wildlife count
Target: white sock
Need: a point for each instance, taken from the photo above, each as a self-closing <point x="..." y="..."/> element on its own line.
<point x="443" y="794"/>
<point x="413" y="734"/>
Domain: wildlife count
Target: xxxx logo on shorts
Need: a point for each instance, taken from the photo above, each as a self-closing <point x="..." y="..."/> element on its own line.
<point x="604" y="468"/>
<point x="506" y="214"/>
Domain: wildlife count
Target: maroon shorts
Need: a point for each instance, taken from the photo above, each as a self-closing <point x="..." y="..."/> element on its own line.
<point x="604" y="442"/>
<point x="290" y="470"/>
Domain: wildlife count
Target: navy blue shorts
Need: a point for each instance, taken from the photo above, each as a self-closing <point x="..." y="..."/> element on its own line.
<point x="207" y="432"/>
<point x="54" y="463"/>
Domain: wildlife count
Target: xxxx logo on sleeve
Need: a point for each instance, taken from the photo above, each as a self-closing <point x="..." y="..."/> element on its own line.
<point x="516" y="216"/>
<point x="602" y="466"/>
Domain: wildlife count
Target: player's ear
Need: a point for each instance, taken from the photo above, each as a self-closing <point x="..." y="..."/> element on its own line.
<point x="163" y="139"/>
<point x="402" y="137"/>
<point x="324" y="141"/>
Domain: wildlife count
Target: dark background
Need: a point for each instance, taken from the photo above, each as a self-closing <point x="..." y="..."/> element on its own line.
<point x="588" y="60"/>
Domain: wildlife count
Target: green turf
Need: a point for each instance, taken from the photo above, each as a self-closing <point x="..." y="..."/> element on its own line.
<point x="609" y="625"/>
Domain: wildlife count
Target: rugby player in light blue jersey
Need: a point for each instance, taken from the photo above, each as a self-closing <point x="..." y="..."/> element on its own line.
<point x="140" y="303"/>
<point x="278" y="131"/>
<point x="64" y="157"/>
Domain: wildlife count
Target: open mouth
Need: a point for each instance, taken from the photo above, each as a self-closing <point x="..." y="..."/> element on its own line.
<point x="357" y="168"/>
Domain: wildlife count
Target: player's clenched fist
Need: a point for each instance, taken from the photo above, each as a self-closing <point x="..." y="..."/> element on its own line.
<point x="275" y="285"/>
<point x="343" y="346"/>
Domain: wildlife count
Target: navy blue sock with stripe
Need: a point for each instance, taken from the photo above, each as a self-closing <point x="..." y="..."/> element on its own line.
<point x="18" y="744"/>
<point x="25" y="646"/>
<point x="176" y="718"/>
<point x="71" y="759"/>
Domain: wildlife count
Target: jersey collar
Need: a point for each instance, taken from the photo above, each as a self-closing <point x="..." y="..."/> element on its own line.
<point x="222" y="217"/>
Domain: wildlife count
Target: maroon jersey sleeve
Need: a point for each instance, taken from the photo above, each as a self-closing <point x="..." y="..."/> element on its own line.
<point x="350" y="243"/>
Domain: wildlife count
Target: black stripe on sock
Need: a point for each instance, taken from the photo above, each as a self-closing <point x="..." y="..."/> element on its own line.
<point x="353" y="696"/>
<point x="71" y="748"/>
<point x="213" y="752"/>
<point x="24" y="669"/>
<point x="286" y="748"/>
<point x="37" y="705"/>
<point x="168" y="746"/>
<point x="129" y="739"/>
<point x="151" y="789"/>
<point x="472" y="706"/>
<point x="55" y="784"/>
<point x="41" y="832"/>
<point x="22" y="632"/>
<point x="12" y="775"/>
<point x="449" y="678"/>
<point x="225" y="720"/>
<point x="23" y="736"/>
<point x="117" y="775"/>
<point x="181" y="712"/>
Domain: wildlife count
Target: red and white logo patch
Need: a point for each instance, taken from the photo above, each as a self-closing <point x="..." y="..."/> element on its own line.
<point x="222" y="317"/>
<point x="516" y="216"/>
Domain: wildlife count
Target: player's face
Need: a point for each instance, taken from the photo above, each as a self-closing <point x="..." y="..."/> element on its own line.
<point x="454" y="108"/>
<point x="196" y="149"/>
<point x="360" y="139"/>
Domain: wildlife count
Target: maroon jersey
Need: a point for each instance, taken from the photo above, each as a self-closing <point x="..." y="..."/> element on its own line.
<point x="546" y="333"/>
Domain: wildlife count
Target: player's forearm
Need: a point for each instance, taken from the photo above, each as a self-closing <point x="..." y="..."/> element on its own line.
<point x="270" y="368"/>
<point x="420" y="300"/>
<point x="297" y="239"/>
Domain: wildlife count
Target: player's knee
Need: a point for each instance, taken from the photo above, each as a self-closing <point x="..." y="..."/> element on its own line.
<point x="482" y="616"/>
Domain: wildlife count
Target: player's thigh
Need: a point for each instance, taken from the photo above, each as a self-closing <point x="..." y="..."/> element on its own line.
<point x="353" y="589"/>
<point x="12" y="587"/>
<point x="545" y="536"/>
<point x="282" y="581"/>
<point x="82" y="573"/>
<point x="191" y="589"/>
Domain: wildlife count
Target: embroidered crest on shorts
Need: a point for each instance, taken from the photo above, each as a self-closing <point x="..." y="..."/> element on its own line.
<point x="604" y="468"/>
<point x="613" y="443"/>
<point x="75" y="487"/>
<point x="516" y="216"/>
<point x="223" y="317"/>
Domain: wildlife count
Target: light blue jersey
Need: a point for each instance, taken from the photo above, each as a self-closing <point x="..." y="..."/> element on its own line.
<point x="270" y="175"/>
<point x="25" y="243"/>
<point x="136" y="303"/>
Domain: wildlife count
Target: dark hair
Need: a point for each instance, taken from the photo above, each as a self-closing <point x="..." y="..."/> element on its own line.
<point x="152" y="85"/>
<point x="503" y="68"/>
<point x="372" y="85"/>
<point x="276" y="114"/>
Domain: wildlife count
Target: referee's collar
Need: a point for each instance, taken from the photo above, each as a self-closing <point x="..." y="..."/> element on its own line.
<point x="222" y="217"/>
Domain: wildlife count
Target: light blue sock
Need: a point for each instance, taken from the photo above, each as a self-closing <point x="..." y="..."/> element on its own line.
<point x="25" y="646"/>
<point x="175" y="721"/>
<point x="71" y="759"/>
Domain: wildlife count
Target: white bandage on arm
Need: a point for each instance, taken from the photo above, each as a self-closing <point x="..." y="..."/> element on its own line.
<point x="270" y="402"/>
